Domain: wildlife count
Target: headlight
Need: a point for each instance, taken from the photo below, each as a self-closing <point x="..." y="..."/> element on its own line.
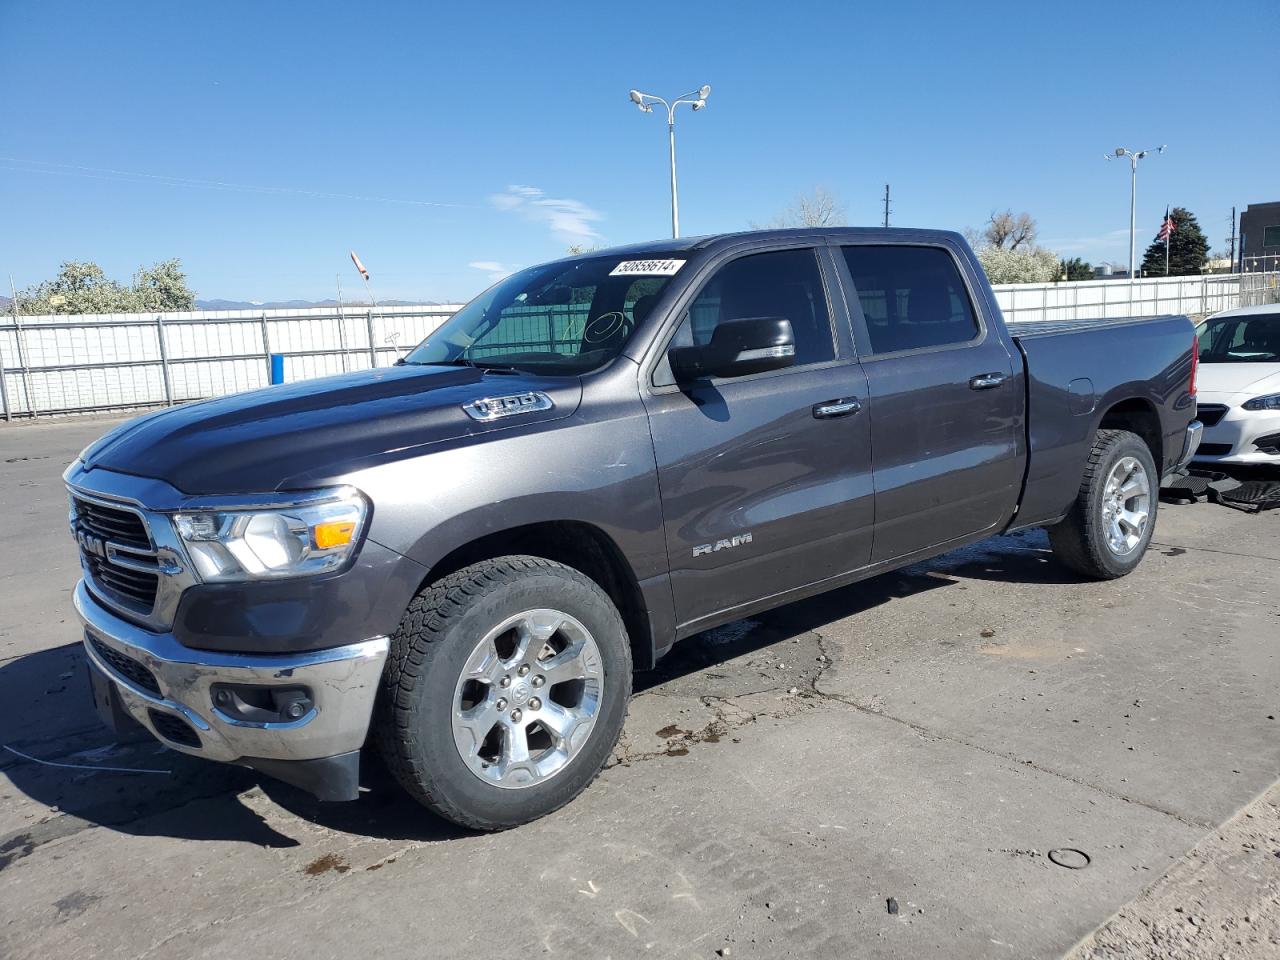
<point x="1269" y="402"/>
<point x="269" y="542"/>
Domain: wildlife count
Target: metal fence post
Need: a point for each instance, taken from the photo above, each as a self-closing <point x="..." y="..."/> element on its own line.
<point x="373" y="350"/>
<point x="4" y="391"/>
<point x="20" y="338"/>
<point x="164" y="362"/>
<point x="266" y="345"/>
<point x="342" y="339"/>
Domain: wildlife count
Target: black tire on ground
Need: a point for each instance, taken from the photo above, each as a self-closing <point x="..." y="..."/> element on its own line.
<point x="439" y="631"/>
<point x="1079" y="540"/>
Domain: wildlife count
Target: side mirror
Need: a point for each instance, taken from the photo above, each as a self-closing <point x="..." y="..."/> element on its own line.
<point x="737" y="348"/>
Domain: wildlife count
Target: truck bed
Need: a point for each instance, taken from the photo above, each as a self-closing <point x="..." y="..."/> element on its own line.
<point x="1027" y="329"/>
<point x="1076" y="368"/>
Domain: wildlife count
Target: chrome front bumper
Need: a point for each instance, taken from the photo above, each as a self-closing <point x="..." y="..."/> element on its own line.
<point x="343" y="682"/>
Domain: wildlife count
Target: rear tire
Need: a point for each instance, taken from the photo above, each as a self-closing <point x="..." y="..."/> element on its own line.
<point x="481" y="661"/>
<point x="1114" y="515"/>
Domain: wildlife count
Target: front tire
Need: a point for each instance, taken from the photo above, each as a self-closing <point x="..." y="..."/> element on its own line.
<point x="1114" y="515"/>
<point x="505" y="691"/>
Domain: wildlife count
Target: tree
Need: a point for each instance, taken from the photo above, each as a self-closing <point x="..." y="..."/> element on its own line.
<point x="85" y="288"/>
<point x="1019" y="266"/>
<point x="821" y="208"/>
<point x="1010" y="231"/>
<point x="1188" y="248"/>
<point x="1076" y="269"/>
<point x="163" y="286"/>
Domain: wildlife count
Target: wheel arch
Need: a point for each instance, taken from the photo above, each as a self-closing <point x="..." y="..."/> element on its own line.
<point x="578" y="544"/>
<point x="1137" y="415"/>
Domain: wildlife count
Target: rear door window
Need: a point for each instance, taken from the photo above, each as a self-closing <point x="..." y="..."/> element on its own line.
<point x="912" y="298"/>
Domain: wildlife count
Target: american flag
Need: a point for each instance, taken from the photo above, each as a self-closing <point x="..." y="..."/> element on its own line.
<point x="1166" y="228"/>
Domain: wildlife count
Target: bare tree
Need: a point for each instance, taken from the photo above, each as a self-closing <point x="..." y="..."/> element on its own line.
<point x="821" y="208"/>
<point x="1009" y="231"/>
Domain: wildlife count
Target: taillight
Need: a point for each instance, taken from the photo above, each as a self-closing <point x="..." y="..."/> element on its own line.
<point x="1195" y="364"/>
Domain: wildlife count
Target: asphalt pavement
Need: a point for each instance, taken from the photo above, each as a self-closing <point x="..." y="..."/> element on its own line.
<point x="882" y="771"/>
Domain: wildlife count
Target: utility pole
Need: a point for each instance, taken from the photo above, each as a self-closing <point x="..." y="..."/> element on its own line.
<point x="886" y="205"/>
<point x="1232" y="240"/>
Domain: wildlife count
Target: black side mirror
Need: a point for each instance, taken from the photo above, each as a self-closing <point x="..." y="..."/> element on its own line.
<point x="737" y="348"/>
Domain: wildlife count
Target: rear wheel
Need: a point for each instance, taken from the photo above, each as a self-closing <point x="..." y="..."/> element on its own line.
<point x="1113" y="518"/>
<point x="505" y="692"/>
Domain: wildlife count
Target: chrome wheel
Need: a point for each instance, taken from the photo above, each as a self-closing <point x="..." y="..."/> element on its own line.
<point x="1126" y="506"/>
<point x="527" y="699"/>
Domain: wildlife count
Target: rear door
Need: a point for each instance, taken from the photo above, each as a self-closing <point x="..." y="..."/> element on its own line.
<point x="765" y="479"/>
<point x="946" y="398"/>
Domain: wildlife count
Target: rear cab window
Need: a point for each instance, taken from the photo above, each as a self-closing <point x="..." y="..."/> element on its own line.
<point x="912" y="298"/>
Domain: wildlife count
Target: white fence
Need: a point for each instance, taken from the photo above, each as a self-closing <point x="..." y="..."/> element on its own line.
<point x="1148" y="296"/>
<point x="82" y="364"/>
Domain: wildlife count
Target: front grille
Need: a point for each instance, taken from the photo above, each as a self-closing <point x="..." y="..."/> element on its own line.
<point x="102" y="531"/>
<point x="126" y="666"/>
<point x="132" y="587"/>
<point x="112" y="524"/>
<point x="174" y="729"/>
<point x="1213" y="449"/>
<point x="1210" y="413"/>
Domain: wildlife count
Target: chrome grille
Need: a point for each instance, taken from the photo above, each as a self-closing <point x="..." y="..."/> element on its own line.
<point x="117" y="554"/>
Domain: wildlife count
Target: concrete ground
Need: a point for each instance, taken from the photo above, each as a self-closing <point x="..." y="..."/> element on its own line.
<point x="890" y="770"/>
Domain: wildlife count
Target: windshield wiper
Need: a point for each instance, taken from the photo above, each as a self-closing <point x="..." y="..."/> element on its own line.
<point x="455" y="362"/>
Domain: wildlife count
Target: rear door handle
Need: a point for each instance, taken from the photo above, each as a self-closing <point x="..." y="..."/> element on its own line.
<point x="836" y="408"/>
<point x="985" y="381"/>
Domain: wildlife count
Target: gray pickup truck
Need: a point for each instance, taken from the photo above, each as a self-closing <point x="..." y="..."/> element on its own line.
<point x="465" y="556"/>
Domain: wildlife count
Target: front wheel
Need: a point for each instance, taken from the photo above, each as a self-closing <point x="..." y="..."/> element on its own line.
<point x="1114" y="515"/>
<point x="505" y="692"/>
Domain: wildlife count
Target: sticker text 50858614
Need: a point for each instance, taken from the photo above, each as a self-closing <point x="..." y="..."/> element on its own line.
<point x="646" y="268"/>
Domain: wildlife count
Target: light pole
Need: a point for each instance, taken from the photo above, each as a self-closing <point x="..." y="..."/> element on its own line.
<point x="1134" y="157"/>
<point x="698" y="100"/>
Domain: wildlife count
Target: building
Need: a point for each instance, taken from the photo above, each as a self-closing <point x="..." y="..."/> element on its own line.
<point x="1260" y="236"/>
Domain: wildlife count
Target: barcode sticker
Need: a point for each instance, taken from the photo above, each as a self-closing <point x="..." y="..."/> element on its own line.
<point x="646" y="268"/>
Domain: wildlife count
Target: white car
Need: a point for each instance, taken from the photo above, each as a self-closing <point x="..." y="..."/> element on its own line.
<point x="1239" y="386"/>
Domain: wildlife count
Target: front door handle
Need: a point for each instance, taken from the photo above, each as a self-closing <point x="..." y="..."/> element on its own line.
<point x="985" y="381"/>
<point x="836" y="408"/>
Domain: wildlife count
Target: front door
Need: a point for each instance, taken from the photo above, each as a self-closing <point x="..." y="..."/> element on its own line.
<point x="946" y="400"/>
<point x="765" y="479"/>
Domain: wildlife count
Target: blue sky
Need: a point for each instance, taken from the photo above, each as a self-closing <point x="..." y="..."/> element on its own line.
<point x="260" y="141"/>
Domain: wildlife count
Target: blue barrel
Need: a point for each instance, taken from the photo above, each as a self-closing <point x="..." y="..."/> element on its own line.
<point x="277" y="368"/>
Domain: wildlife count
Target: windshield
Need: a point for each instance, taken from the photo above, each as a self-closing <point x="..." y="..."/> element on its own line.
<point x="1247" y="339"/>
<point x="558" y="319"/>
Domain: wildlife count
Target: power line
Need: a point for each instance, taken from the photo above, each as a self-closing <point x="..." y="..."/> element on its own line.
<point x="130" y="176"/>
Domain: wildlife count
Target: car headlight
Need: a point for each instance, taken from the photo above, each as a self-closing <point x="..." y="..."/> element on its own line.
<point x="258" y="543"/>
<point x="1269" y="402"/>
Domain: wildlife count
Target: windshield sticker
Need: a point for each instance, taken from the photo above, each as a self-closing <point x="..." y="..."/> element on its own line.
<point x="646" y="268"/>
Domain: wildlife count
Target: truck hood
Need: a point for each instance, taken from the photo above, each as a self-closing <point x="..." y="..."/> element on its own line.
<point x="305" y="433"/>
<point x="1224" y="380"/>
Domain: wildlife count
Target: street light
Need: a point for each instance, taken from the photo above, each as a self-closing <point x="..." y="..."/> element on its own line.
<point x="1133" y="198"/>
<point x="697" y="100"/>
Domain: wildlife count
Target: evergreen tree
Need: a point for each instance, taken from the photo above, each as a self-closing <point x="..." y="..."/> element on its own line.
<point x="1188" y="248"/>
<point x="1077" y="269"/>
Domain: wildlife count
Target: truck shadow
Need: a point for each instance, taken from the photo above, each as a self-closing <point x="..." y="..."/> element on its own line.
<point x="54" y="750"/>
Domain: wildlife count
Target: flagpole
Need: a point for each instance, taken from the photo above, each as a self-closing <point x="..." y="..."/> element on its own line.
<point x="1167" y="234"/>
